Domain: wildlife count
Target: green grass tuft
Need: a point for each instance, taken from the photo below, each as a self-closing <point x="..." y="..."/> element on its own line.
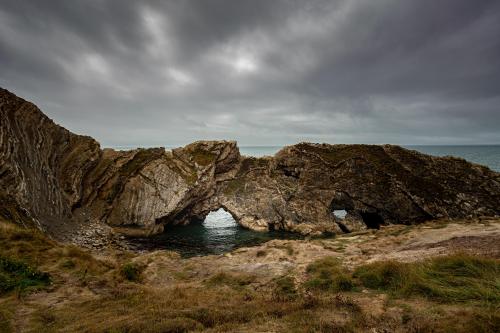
<point x="454" y="278"/>
<point x="327" y="274"/>
<point x="285" y="289"/>
<point x="17" y="275"/>
<point x="132" y="272"/>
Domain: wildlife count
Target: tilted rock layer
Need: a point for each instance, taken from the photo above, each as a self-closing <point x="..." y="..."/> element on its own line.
<point x="60" y="180"/>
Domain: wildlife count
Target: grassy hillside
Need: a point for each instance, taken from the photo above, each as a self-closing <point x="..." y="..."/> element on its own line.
<point x="50" y="287"/>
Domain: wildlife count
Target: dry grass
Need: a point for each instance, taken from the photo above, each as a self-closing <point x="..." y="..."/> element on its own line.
<point x="98" y="296"/>
<point x="453" y="278"/>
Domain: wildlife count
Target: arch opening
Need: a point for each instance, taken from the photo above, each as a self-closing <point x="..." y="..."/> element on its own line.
<point x="219" y="218"/>
<point x="340" y="213"/>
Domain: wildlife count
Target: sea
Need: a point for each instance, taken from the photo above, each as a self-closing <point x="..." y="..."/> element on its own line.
<point x="219" y="233"/>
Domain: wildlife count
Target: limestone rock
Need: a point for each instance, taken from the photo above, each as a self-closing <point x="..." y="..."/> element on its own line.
<point x="68" y="186"/>
<point x="42" y="165"/>
<point x="376" y="185"/>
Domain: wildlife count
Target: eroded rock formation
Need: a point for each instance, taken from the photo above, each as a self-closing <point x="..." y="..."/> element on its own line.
<point x="42" y="165"/>
<point x="61" y="181"/>
<point x="301" y="185"/>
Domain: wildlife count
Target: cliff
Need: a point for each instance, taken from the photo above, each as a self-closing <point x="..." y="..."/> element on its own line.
<point x="64" y="182"/>
<point x="42" y="165"/>
<point x="301" y="185"/>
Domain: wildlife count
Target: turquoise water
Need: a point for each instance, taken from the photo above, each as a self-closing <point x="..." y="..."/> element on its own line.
<point x="220" y="233"/>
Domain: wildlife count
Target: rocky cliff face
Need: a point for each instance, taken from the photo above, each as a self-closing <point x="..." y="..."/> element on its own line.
<point x="145" y="189"/>
<point x="62" y="182"/>
<point x="42" y="165"/>
<point x="300" y="187"/>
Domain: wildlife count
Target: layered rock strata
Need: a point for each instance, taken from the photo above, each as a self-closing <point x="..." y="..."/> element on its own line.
<point x="61" y="181"/>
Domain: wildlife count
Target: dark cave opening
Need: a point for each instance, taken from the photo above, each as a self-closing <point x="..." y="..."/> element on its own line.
<point x="372" y="220"/>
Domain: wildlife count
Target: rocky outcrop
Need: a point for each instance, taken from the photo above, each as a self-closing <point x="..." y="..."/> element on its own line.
<point x="42" y="165"/>
<point x="145" y="189"/>
<point x="300" y="187"/>
<point x="64" y="182"/>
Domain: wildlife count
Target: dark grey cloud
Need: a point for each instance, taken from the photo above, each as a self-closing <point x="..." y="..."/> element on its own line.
<point x="261" y="72"/>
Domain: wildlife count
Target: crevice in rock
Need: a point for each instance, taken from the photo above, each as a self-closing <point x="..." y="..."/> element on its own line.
<point x="343" y="227"/>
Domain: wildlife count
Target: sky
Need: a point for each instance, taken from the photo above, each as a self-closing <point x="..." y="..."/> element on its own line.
<point x="166" y="73"/>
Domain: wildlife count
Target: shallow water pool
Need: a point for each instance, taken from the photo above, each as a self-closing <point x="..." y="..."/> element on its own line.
<point x="218" y="234"/>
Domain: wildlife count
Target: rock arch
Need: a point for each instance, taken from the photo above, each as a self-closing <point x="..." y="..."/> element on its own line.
<point x="61" y="182"/>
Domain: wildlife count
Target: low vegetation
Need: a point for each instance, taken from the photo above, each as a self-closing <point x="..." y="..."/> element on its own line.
<point x="285" y="289"/>
<point x="203" y="157"/>
<point x="230" y="279"/>
<point x="17" y="275"/>
<point x="131" y="271"/>
<point x="453" y="278"/>
<point x="455" y="293"/>
<point x="327" y="274"/>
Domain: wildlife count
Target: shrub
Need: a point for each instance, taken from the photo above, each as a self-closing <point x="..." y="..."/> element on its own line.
<point x="284" y="289"/>
<point x="5" y="321"/>
<point x="327" y="274"/>
<point x="131" y="271"/>
<point x="16" y="274"/>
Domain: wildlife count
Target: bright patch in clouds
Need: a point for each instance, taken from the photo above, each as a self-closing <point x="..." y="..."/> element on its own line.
<point x="180" y="77"/>
<point x="155" y="26"/>
<point x="245" y="64"/>
<point x="87" y="67"/>
<point x="239" y="60"/>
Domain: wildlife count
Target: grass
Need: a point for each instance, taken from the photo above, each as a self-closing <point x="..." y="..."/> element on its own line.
<point x="203" y="157"/>
<point x="229" y="279"/>
<point x="132" y="272"/>
<point x="234" y="186"/>
<point x="327" y="274"/>
<point x="287" y="247"/>
<point x="17" y="275"/>
<point x="285" y="289"/>
<point x="229" y="301"/>
<point x="451" y="279"/>
<point x="139" y="160"/>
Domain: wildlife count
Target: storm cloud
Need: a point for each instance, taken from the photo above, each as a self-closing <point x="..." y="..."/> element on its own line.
<point x="163" y="73"/>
